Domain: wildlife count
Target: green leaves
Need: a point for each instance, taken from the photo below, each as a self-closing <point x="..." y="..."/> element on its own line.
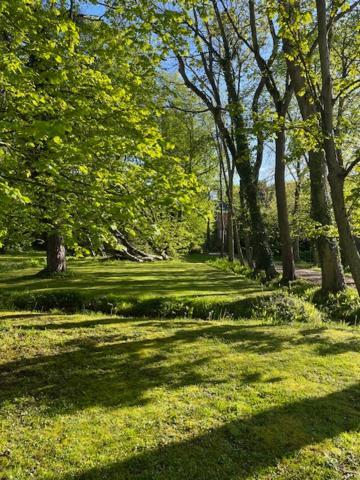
<point x="81" y="127"/>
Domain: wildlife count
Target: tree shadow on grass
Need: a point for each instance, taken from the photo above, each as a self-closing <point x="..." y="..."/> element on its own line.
<point x="244" y="447"/>
<point x="116" y="370"/>
<point x="17" y="315"/>
<point x="123" y="282"/>
<point x="325" y="346"/>
<point x="71" y="325"/>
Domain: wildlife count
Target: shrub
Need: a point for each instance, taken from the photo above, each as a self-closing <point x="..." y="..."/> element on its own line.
<point x="195" y="249"/>
<point x="66" y="301"/>
<point x="283" y="308"/>
<point x="79" y="301"/>
<point x="223" y="264"/>
<point x="343" y="306"/>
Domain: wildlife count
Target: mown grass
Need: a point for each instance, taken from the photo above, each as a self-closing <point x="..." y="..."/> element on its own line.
<point x="190" y="287"/>
<point x="171" y="278"/>
<point x="99" y="396"/>
<point x="87" y="397"/>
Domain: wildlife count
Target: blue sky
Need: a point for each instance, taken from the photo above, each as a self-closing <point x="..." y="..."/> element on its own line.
<point x="92" y="9"/>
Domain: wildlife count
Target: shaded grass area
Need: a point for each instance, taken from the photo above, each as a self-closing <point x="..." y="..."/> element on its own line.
<point x="103" y="397"/>
<point x="177" y="287"/>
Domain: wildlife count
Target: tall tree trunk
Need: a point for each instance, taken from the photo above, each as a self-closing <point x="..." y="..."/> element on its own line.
<point x="295" y="212"/>
<point x="238" y="243"/>
<point x="55" y="254"/>
<point x="296" y="249"/>
<point x="336" y="172"/>
<point x="331" y="269"/>
<point x="314" y="252"/>
<point x="281" y="103"/>
<point x="208" y="236"/>
<point x="261" y="248"/>
<point x="332" y="275"/>
<point x="245" y="225"/>
<point x="230" y="226"/>
<point x="288" y="264"/>
<point x="241" y="157"/>
<point x="235" y="138"/>
<point x="230" y="236"/>
<point x="222" y="226"/>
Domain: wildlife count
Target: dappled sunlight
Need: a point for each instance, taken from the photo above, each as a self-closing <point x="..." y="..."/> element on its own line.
<point x="172" y="278"/>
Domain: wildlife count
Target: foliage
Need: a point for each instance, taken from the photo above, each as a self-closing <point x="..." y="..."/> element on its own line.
<point x="226" y="266"/>
<point x="284" y="308"/>
<point x="342" y="306"/>
<point x="87" y="152"/>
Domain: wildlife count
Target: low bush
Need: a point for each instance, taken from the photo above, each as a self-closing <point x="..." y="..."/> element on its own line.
<point x="77" y="301"/>
<point x="284" y="308"/>
<point x="223" y="264"/>
<point x="66" y="301"/>
<point x="297" y="304"/>
<point x="342" y="306"/>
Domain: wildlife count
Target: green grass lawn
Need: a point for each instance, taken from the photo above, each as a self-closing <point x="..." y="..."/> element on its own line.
<point x="171" y="288"/>
<point x="96" y="396"/>
<point x="172" y="278"/>
<point x="101" y="397"/>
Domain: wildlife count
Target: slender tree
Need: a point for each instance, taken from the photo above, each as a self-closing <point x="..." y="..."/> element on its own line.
<point x="327" y="247"/>
<point x="337" y="171"/>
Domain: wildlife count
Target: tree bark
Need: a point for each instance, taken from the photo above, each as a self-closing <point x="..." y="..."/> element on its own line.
<point x="230" y="236"/>
<point x="336" y="174"/>
<point x="222" y="226"/>
<point x="238" y="243"/>
<point x="331" y="269"/>
<point x="246" y="227"/>
<point x="296" y="249"/>
<point x="55" y="254"/>
<point x="261" y="249"/>
<point x="295" y="212"/>
<point x="208" y="236"/>
<point x="288" y="264"/>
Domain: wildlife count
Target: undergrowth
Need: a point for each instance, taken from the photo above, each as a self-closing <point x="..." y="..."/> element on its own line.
<point x="222" y="263"/>
<point x="301" y="300"/>
<point x="76" y="301"/>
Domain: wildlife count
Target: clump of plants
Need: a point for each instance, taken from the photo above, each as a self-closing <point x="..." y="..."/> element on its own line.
<point x="223" y="264"/>
<point x="209" y="308"/>
<point x="342" y="306"/>
<point x="284" y="308"/>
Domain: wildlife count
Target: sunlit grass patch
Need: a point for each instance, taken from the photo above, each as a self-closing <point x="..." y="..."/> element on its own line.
<point x="172" y="288"/>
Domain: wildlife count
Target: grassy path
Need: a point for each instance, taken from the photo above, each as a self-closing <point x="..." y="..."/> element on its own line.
<point x="173" y="278"/>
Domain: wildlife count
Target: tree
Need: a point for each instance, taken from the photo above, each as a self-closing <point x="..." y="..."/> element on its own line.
<point x="337" y="171"/>
<point x="294" y="38"/>
<point x="281" y="102"/>
<point x="210" y="69"/>
<point x="84" y="150"/>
